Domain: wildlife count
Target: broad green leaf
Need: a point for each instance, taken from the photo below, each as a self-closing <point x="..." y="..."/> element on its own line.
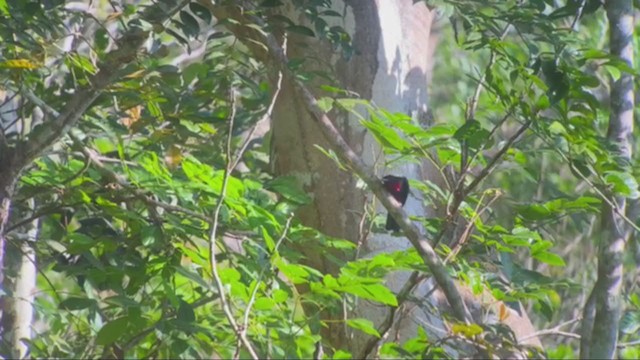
<point x="473" y="134"/>
<point x="190" y="25"/>
<point x="375" y="292"/>
<point x="385" y="135"/>
<point x="192" y="276"/>
<point x="264" y="303"/>
<point x="201" y="12"/>
<point x="325" y="103"/>
<point x="112" y="331"/>
<point x="302" y="30"/>
<point x="288" y="186"/>
<point x="185" y="312"/>
<point x="296" y="273"/>
<point x="549" y="258"/>
<point x="623" y="183"/>
<point x="342" y="355"/>
<point x="364" y="325"/>
<point x="4" y="8"/>
<point x="630" y="322"/>
<point x="268" y="240"/>
<point x="77" y="303"/>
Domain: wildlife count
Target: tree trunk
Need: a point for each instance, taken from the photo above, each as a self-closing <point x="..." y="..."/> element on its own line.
<point x="389" y="66"/>
<point x="21" y="284"/>
<point x="603" y="335"/>
<point x="7" y="186"/>
<point x="393" y="48"/>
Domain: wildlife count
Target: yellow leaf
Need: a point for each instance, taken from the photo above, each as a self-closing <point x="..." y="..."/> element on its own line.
<point x="466" y="330"/>
<point x="135" y="74"/>
<point x="19" y="64"/>
<point x="173" y="157"/>
<point x="113" y="16"/>
<point x="133" y="116"/>
<point x="503" y="312"/>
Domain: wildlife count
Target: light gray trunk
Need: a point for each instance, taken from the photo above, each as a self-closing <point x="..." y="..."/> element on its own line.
<point x="21" y="284"/>
<point x="605" y="302"/>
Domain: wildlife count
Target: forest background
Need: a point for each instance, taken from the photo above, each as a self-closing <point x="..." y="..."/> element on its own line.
<point x="191" y="179"/>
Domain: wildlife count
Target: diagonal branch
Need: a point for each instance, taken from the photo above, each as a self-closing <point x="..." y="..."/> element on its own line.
<point x="109" y="70"/>
<point x="337" y="141"/>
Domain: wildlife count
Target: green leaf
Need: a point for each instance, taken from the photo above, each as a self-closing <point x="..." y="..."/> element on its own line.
<point x="341" y="354"/>
<point x="325" y="103"/>
<point x="190" y="25"/>
<point x="623" y="183"/>
<point x="288" y="186"/>
<point x="296" y="273"/>
<point x="4" y="8"/>
<point x="549" y="258"/>
<point x="112" y="331"/>
<point x="375" y="292"/>
<point x="201" y="12"/>
<point x="264" y="303"/>
<point x="185" y="312"/>
<point x="331" y="155"/>
<point x="534" y="212"/>
<point x="302" y="30"/>
<point x="77" y="303"/>
<point x="385" y="135"/>
<point x="192" y="276"/>
<point x="364" y="325"/>
<point x="271" y="3"/>
<point x="556" y="128"/>
<point x="268" y="240"/>
<point x="630" y="322"/>
<point x="473" y="133"/>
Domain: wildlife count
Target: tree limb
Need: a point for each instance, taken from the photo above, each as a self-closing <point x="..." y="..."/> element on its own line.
<point x="334" y="137"/>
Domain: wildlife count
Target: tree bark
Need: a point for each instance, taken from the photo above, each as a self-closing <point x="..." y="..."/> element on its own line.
<point x="604" y="335"/>
<point x="392" y="52"/>
<point x="21" y="284"/>
<point x="389" y="66"/>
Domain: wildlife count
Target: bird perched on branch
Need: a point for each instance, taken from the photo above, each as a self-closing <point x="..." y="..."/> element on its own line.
<point x="398" y="186"/>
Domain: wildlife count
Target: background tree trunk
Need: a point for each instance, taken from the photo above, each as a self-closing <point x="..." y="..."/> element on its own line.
<point x="21" y="284"/>
<point x="604" y="305"/>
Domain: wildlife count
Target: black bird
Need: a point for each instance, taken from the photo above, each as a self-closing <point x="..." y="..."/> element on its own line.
<point x="398" y="186"/>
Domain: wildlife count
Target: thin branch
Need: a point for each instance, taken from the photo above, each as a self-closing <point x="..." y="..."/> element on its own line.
<point x="372" y="343"/>
<point x="472" y="104"/>
<point x="137" y="192"/>
<point x="456" y="247"/>
<point x="554" y="331"/>
<point x="252" y="299"/>
<point x="489" y="168"/>
<point x="265" y="117"/>
<point x="460" y="192"/>
<point x="226" y="308"/>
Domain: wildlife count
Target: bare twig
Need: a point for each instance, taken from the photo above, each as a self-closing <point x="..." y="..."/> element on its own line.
<point x="554" y="331"/>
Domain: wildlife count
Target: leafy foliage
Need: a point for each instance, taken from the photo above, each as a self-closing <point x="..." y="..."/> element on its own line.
<point x="126" y="202"/>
